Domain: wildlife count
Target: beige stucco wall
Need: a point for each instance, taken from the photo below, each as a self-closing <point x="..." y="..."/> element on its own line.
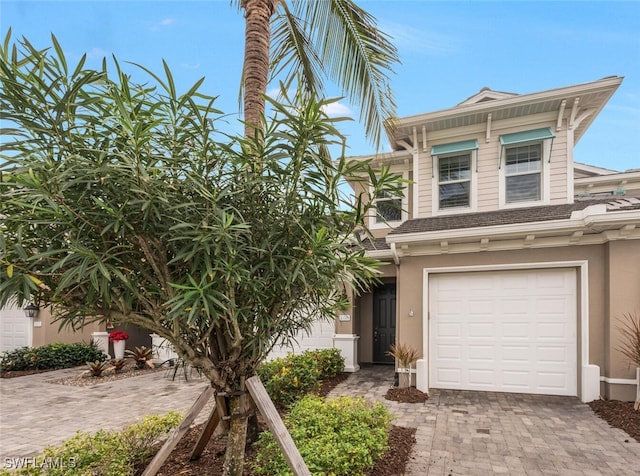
<point x="49" y="332"/>
<point x="622" y="297"/>
<point x="617" y="263"/>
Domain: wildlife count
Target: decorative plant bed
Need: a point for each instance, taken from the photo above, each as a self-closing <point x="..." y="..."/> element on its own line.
<point x="83" y="379"/>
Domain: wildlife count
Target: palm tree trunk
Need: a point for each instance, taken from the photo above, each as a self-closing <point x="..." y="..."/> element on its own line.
<point x="256" y="60"/>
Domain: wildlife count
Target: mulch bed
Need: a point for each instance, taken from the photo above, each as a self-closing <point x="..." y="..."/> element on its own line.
<point x="619" y="415"/>
<point x="406" y="395"/>
<point x="392" y="463"/>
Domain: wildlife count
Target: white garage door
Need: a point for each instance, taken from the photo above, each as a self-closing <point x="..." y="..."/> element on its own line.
<point x="15" y="328"/>
<point x="507" y="331"/>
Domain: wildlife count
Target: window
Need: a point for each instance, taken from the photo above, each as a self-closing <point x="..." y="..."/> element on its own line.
<point x="454" y="181"/>
<point x="523" y="173"/>
<point x="389" y="207"/>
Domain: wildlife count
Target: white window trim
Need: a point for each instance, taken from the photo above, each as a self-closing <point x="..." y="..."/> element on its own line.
<point x="545" y="179"/>
<point x="374" y="225"/>
<point x="435" y="187"/>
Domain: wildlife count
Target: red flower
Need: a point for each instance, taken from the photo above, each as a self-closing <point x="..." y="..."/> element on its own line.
<point x="118" y="335"/>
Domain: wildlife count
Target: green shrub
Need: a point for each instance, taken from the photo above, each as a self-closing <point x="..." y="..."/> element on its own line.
<point x="341" y="436"/>
<point x="290" y="378"/>
<point x="330" y="362"/>
<point x="52" y="356"/>
<point x="105" y="453"/>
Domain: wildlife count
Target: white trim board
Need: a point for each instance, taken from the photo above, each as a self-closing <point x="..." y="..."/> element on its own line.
<point x="618" y="381"/>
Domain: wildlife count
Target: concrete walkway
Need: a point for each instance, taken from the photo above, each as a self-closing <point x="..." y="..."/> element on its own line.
<point x="480" y="433"/>
<point x="457" y="432"/>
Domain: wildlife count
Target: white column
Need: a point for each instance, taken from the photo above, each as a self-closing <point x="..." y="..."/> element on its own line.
<point x="348" y="346"/>
<point x="422" y="381"/>
<point x="590" y="383"/>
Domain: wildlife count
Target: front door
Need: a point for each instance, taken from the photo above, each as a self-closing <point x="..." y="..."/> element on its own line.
<point x="384" y="322"/>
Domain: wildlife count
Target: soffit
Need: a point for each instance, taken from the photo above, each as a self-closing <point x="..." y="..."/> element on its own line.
<point x="589" y="97"/>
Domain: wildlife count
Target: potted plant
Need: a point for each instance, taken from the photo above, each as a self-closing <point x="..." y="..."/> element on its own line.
<point x="630" y="347"/>
<point x="406" y="356"/>
<point x="118" y="338"/>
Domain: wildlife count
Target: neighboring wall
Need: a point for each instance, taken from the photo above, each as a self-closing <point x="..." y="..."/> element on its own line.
<point x="46" y="332"/>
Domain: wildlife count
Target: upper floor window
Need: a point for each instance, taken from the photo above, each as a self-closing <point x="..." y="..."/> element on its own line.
<point x="454" y="178"/>
<point x="454" y="181"/>
<point x="388" y="207"/>
<point x="523" y="173"/>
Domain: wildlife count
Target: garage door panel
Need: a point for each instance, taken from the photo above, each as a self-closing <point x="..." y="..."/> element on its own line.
<point x="516" y="354"/>
<point x="484" y="353"/>
<point x="480" y="378"/>
<point x="448" y="352"/>
<point x="482" y="307"/>
<point x="552" y="381"/>
<point x="511" y="331"/>
<point x="451" y="329"/>
<point x="516" y="380"/>
<point x="514" y="306"/>
<point x="450" y="377"/>
<point x="552" y="355"/>
<point x="479" y="330"/>
<point x="553" y="331"/>
<point x="516" y="330"/>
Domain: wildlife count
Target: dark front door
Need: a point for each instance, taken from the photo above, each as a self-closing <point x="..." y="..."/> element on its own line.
<point x="384" y="322"/>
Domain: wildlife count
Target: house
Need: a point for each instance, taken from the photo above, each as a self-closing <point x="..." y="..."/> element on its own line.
<point x="507" y="263"/>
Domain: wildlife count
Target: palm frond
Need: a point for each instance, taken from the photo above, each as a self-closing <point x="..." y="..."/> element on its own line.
<point x="351" y="50"/>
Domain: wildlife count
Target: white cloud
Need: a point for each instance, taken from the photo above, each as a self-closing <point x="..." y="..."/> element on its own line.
<point x="407" y="38"/>
<point x="97" y="53"/>
<point x="190" y="66"/>
<point x="337" y="109"/>
<point x="155" y="26"/>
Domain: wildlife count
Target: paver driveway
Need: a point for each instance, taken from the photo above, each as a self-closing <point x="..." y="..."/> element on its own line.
<point x="457" y="432"/>
<point x="35" y="413"/>
<point x="479" y="433"/>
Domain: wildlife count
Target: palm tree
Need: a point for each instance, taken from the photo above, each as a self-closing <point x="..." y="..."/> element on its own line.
<point x="313" y="41"/>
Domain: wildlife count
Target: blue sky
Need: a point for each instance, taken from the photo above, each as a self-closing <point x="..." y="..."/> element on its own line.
<point x="449" y="51"/>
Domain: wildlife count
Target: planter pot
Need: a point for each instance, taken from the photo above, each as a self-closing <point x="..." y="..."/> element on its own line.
<point x="101" y="341"/>
<point x="118" y="349"/>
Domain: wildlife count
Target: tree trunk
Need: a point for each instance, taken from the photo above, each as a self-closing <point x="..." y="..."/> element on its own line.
<point x="234" y="457"/>
<point x="257" y="42"/>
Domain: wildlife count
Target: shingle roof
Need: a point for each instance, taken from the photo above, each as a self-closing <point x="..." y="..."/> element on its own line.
<point x="376" y="244"/>
<point x="512" y="216"/>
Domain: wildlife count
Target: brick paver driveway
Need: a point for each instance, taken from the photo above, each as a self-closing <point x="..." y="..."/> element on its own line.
<point x="479" y="433"/>
<point x="458" y="432"/>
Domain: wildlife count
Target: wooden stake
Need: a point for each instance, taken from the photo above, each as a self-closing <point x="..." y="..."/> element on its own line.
<point x="272" y="417"/>
<point x="162" y="455"/>
<point x="207" y="432"/>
